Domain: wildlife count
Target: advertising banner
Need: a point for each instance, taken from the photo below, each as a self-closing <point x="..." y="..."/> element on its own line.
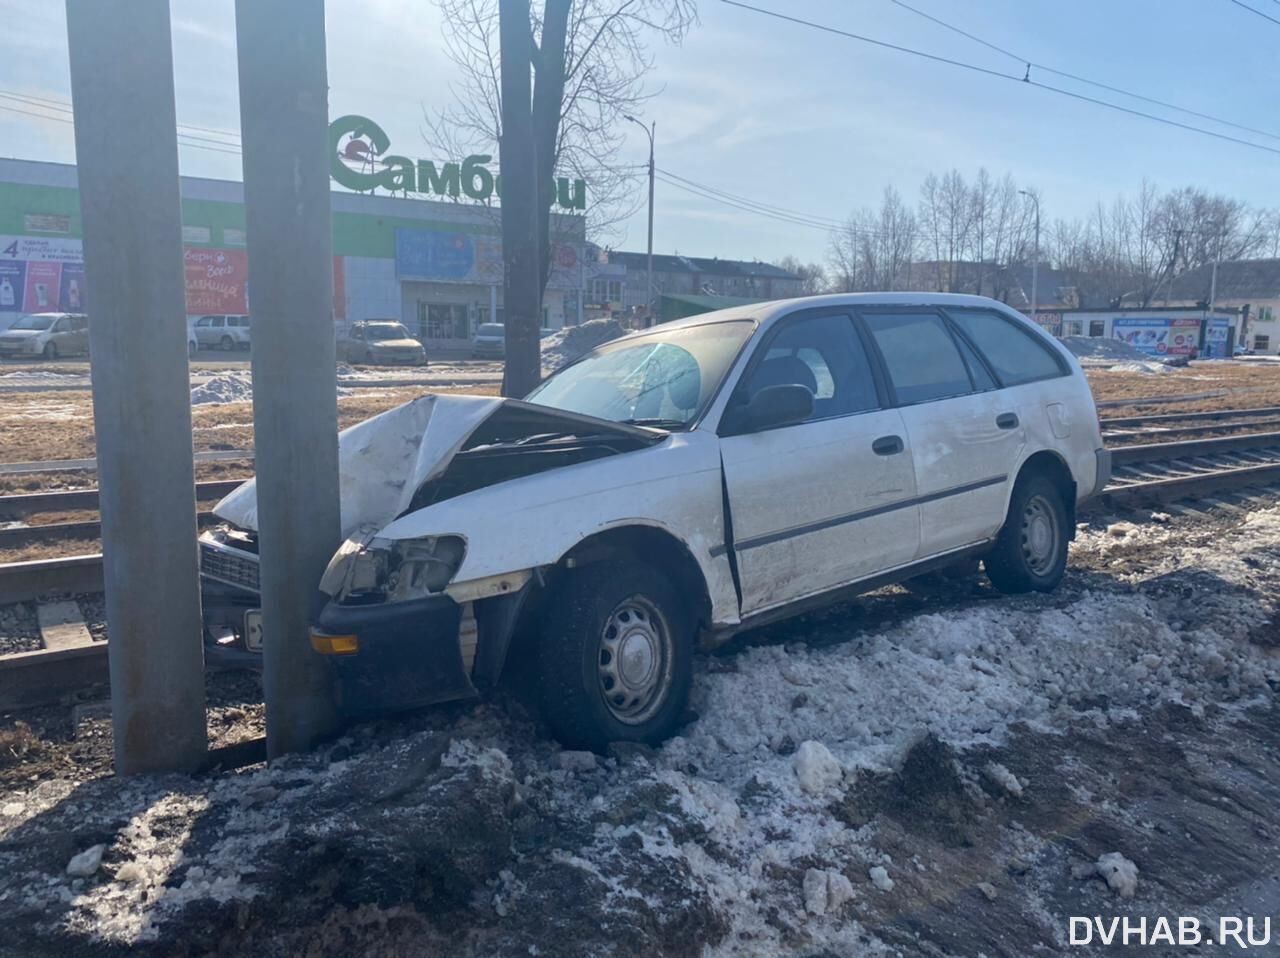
<point x="48" y="249"/>
<point x="1216" y="336"/>
<point x="71" y="291"/>
<point x="1159" y="336"/>
<point x="13" y="285"/>
<point x="217" y="280"/>
<point x="443" y="257"/>
<point x="43" y="287"/>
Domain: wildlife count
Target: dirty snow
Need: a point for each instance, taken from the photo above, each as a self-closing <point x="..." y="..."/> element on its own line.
<point x="233" y="386"/>
<point x="1099" y="347"/>
<point x="736" y="812"/>
<point x="1140" y="367"/>
<point x="567" y="344"/>
<point x="1120" y="874"/>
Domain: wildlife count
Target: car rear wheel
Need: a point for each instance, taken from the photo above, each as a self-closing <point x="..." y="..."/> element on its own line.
<point x="616" y="656"/>
<point x="50" y="350"/>
<point x="228" y="343"/>
<point x="1030" y="553"/>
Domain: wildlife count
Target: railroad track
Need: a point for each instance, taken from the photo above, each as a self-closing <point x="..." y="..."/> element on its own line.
<point x="1142" y="475"/>
<point x="1165" y="425"/>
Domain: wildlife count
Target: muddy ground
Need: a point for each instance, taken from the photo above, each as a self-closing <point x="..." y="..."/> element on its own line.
<point x="988" y="752"/>
<point x="37" y="426"/>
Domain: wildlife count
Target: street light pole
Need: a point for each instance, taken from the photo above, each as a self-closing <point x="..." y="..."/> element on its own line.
<point x="649" y="131"/>
<point x="1035" y="263"/>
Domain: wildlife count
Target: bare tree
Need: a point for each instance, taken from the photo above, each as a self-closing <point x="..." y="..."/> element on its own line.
<point x="813" y="276"/>
<point x="605" y="61"/>
<point x="875" y="249"/>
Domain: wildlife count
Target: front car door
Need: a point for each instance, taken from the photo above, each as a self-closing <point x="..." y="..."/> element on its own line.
<point x="966" y="438"/>
<point x="204" y="332"/>
<point x="821" y="503"/>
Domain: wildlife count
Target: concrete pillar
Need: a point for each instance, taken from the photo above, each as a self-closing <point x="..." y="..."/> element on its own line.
<point x="284" y="132"/>
<point x="132" y="221"/>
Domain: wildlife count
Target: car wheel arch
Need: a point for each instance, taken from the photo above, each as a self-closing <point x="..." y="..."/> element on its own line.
<point x="649" y="544"/>
<point x="1050" y="464"/>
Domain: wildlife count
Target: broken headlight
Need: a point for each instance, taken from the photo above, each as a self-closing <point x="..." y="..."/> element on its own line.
<point x="380" y="570"/>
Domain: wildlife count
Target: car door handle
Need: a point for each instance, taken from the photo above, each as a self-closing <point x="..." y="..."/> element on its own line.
<point x="887" y="446"/>
<point x="1007" y="420"/>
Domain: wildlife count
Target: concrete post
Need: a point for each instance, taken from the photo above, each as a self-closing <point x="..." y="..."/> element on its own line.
<point x="284" y="132"/>
<point x="132" y="221"/>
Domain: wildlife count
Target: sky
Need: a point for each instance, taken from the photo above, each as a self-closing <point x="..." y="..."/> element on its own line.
<point x="783" y="114"/>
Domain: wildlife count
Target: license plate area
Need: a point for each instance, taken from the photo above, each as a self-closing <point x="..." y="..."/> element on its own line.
<point x="253" y="630"/>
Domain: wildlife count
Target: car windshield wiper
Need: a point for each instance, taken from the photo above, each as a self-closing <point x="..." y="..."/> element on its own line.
<point x="660" y="423"/>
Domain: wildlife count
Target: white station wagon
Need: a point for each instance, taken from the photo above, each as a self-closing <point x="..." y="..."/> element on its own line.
<point x="676" y="486"/>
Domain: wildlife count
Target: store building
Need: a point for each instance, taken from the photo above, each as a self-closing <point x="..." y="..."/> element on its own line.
<point x="434" y="265"/>
<point x="1251" y="286"/>
<point x="1160" y="332"/>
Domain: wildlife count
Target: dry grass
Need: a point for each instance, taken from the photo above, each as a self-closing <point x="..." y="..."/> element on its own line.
<point x="1246" y="386"/>
<point x="51" y="550"/>
<point x="17" y="742"/>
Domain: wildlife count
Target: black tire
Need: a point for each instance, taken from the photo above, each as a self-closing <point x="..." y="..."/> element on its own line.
<point x="228" y="343"/>
<point x="1030" y="554"/>
<point x="573" y="657"/>
<point x="192" y="349"/>
<point x="50" y="350"/>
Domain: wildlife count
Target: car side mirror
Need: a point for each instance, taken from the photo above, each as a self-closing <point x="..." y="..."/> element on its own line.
<point x="774" y="406"/>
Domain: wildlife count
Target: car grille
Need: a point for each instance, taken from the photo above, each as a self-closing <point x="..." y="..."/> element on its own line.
<point x="12" y="342"/>
<point x="229" y="565"/>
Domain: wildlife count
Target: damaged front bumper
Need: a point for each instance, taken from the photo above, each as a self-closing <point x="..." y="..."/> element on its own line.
<point x="397" y="655"/>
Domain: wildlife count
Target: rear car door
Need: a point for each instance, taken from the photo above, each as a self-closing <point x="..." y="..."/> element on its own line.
<point x="81" y="326"/>
<point x="821" y="503"/>
<point x="965" y="436"/>
<point x="62" y="336"/>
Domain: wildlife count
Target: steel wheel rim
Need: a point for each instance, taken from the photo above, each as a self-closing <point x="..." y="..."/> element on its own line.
<point x="635" y="660"/>
<point x="1040" y="535"/>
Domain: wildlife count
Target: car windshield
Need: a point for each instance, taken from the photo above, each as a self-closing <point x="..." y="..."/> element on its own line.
<point x="386" y="331"/>
<point x="34" y="322"/>
<point x="664" y="377"/>
<point x="489" y="329"/>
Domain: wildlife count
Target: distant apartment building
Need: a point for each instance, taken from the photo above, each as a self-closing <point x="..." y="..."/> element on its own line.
<point x="625" y="280"/>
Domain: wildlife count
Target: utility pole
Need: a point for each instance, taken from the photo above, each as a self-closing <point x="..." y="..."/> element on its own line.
<point x="649" y="131"/>
<point x="521" y="243"/>
<point x="1035" y="263"/>
<point x="284" y="119"/>
<point x="131" y="213"/>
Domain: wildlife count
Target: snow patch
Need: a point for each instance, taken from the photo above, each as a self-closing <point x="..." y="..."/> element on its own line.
<point x="565" y="345"/>
<point x="1120" y="874"/>
<point x="879" y="876"/>
<point x="816" y="768"/>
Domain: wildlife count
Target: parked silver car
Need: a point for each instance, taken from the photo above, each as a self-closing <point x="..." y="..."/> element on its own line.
<point x="380" y="341"/>
<point x="220" y="332"/>
<point x="489" y="342"/>
<point x="51" y="335"/>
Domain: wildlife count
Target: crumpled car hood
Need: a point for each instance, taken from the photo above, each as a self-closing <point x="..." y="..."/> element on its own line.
<point x="382" y="461"/>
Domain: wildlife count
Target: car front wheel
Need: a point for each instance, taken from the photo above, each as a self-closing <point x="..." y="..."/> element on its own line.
<point x="50" y="351"/>
<point x="1030" y="553"/>
<point x="616" y="656"/>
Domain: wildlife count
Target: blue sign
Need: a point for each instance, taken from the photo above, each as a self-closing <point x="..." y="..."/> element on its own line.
<point x="429" y="255"/>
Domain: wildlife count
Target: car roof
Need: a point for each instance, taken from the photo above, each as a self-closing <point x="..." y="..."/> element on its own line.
<point x="767" y="313"/>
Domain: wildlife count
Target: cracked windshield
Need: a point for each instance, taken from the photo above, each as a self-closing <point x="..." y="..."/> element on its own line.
<point x="633" y="478"/>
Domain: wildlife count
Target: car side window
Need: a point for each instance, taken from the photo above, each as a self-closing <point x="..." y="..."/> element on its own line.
<point x="982" y="380"/>
<point x="824" y="355"/>
<point x="1015" y="354"/>
<point x="62" y="325"/>
<point x="202" y="322"/>
<point x="920" y="355"/>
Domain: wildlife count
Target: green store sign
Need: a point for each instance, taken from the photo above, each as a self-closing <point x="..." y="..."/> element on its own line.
<point x="358" y="160"/>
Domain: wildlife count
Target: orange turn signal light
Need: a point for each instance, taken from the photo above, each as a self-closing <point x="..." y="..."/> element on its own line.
<point x="327" y="644"/>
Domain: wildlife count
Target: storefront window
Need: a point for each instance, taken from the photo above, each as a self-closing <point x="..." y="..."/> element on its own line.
<point x="443" y="321"/>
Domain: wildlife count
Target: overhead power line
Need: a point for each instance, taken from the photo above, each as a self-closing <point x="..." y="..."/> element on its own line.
<point x="973" y="67"/>
<point x="61" y="106"/>
<point x="1265" y="16"/>
<point x="1079" y="79"/>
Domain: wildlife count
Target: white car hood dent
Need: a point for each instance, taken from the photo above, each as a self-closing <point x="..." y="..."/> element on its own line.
<point x="384" y="460"/>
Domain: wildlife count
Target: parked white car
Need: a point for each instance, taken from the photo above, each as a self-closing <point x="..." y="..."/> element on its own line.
<point x="680" y="485"/>
<point x="219" y="332"/>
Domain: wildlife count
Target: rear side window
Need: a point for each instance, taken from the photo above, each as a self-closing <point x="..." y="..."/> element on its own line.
<point x="920" y="355"/>
<point x="1015" y="354"/>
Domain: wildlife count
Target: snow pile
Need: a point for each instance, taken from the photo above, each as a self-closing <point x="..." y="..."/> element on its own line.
<point x="1099" y="347"/>
<point x="735" y="838"/>
<point x="226" y="387"/>
<point x="1120" y="874"/>
<point x="565" y="345"/>
<point x="1140" y="367"/>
